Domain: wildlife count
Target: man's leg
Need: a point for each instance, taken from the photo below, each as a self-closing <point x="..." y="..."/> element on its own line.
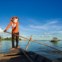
<point x="17" y="39"/>
<point x="13" y="41"/>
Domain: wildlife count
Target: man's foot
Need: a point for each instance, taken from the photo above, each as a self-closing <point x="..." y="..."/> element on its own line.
<point x="12" y="48"/>
<point x="18" y="47"/>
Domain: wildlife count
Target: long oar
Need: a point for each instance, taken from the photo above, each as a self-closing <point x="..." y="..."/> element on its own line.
<point x="37" y="42"/>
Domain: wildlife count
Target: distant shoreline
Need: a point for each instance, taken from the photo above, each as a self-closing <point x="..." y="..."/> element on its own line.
<point x="26" y="40"/>
<point x="9" y="38"/>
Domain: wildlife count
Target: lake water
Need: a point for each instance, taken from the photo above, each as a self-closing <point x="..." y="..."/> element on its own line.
<point x="46" y="51"/>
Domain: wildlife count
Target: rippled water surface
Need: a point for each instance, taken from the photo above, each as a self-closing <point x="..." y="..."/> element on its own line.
<point x="47" y="51"/>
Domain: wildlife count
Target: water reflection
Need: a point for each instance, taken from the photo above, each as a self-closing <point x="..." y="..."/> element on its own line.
<point x="6" y="45"/>
<point x="55" y="43"/>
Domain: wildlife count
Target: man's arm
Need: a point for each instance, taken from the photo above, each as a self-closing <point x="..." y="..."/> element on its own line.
<point x="8" y="26"/>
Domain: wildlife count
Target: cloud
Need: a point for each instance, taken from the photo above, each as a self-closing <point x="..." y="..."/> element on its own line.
<point x="52" y="22"/>
<point x="46" y="26"/>
<point x="38" y="27"/>
<point x="1" y="30"/>
<point x="49" y="28"/>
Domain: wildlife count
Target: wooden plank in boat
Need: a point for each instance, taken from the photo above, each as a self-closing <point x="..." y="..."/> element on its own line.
<point x="13" y="52"/>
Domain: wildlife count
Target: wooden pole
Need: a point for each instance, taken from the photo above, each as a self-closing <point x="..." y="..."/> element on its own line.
<point x="28" y="43"/>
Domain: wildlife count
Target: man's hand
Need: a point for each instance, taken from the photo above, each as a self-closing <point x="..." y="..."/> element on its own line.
<point x="4" y="30"/>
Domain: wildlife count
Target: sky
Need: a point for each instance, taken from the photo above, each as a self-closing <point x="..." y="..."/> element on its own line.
<point x="40" y="18"/>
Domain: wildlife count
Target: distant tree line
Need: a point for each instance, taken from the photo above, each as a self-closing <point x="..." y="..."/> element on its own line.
<point x="7" y="38"/>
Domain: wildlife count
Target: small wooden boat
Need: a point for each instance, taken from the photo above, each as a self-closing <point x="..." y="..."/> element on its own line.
<point x="20" y="55"/>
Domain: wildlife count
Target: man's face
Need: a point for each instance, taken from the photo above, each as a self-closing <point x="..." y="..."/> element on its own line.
<point x="15" y="20"/>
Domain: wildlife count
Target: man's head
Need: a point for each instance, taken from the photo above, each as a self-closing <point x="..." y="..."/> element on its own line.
<point x="14" y="19"/>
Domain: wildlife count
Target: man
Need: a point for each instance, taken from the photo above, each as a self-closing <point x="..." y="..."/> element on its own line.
<point x="15" y="31"/>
